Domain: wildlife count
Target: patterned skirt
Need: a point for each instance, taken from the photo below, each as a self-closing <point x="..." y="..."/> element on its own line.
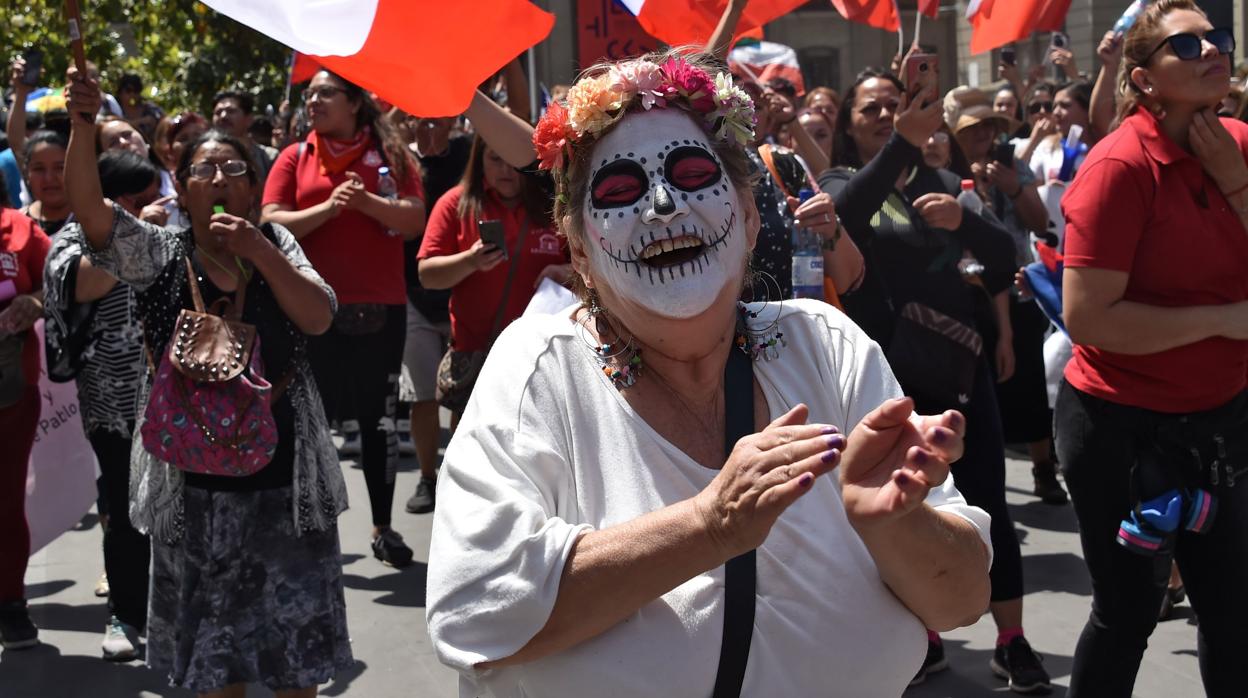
<point x="241" y="598"/>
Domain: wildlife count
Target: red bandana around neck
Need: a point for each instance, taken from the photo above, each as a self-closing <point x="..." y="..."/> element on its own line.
<point x="335" y="155"/>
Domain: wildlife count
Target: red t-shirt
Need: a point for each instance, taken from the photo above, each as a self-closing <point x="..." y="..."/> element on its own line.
<point x="23" y="250"/>
<point x="1144" y="206"/>
<point x="474" y="301"/>
<point x="352" y="251"/>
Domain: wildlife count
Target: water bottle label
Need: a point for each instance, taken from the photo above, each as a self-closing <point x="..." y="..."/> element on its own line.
<point x="807" y="273"/>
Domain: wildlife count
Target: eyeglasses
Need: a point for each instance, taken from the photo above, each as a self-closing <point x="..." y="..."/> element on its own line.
<point x="324" y="92"/>
<point x="1037" y="107"/>
<point x="208" y="170"/>
<point x="1188" y="46"/>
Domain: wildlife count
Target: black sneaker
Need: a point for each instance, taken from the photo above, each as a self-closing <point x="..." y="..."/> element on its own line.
<point x="1047" y="488"/>
<point x="426" y="494"/>
<point x="390" y="549"/>
<point x="16" y="630"/>
<point x="1020" y="665"/>
<point x="1173" y="597"/>
<point x="934" y="661"/>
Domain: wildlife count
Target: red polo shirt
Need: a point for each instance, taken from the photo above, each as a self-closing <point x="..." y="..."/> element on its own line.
<point x="1142" y="205"/>
<point x="23" y="250"/>
<point x="351" y="251"/>
<point x="474" y="301"/>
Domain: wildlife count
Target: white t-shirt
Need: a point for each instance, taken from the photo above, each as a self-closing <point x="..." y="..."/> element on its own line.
<point x="548" y="448"/>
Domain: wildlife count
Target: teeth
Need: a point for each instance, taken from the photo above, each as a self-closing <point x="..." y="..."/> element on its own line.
<point x="658" y="247"/>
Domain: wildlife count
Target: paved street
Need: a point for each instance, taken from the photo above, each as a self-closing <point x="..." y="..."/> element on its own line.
<point x="394" y="659"/>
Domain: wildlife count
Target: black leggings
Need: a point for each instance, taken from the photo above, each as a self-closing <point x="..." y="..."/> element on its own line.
<point x="1096" y="445"/>
<point x="127" y="553"/>
<point x="358" y="376"/>
<point x="980" y="477"/>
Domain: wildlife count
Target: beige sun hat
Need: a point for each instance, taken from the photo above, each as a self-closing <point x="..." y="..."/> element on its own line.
<point x="966" y="106"/>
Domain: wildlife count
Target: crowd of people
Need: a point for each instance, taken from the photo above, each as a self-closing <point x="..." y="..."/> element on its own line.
<point x="697" y="458"/>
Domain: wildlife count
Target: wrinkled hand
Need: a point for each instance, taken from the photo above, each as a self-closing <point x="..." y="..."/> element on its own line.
<point x="21" y="314"/>
<point x="1003" y="358"/>
<point x="239" y="236"/>
<point x="817" y="213"/>
<point x="350" y="194"/>
<point x="1004" y="178"/>
<point x="1217" y="151"/>
<point x="1110" y="49"/>
<point x="83" y="96"/>
<point x="915" y="122"/>
<point x="765" y="473"/>
<point x="939" y="211"/>
<point x="559" y="273"/>
<point x="484" y="257"/>
<point x="1065" y="59"/>
<point x="892" y="462"/>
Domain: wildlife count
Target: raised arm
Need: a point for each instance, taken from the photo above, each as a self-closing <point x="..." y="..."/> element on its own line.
<point x="720" y="42"/>
<point x="15" y="129"/>
<point x="506" y="134"/>
<point x="82" y="178"/>
<point x="1104" y="91"/>
<point x="517" y="83"/>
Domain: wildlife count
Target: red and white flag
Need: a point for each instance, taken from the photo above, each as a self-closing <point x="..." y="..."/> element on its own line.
<point x="999" y="22"/>
<point x="425" y="56"/>
<point x="679" y="22"/>
<point x="766" y="60"/>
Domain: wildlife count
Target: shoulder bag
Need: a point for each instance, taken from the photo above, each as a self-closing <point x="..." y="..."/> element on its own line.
<point x="210" y="406"/>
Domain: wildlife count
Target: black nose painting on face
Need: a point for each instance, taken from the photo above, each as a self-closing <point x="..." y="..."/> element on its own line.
<point x="663" y="203"/>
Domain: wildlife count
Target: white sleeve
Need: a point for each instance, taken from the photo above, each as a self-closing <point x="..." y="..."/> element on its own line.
<point x="498" y="547"/>
<point x="866" y="382"/>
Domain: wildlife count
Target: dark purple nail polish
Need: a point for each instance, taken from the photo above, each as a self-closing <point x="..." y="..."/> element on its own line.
<point x="806" y="480"/>
<point x="903" y="479"/>
<point x="830" y="429"/>
<point x="939" y="436"/>
<point x="836" y="441"/>
<point x="830" y="456"/>
<point x="920" y="457"/>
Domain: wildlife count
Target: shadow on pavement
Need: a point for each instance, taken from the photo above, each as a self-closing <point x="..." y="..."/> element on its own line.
<point x="43" y="671"/>
<point x="83" y="618"/>
<point x="343" y="680"/>
<point x="42" y="589"/>
<point x="405" y="587"/>
<point x="968" y="675"/>
<point x="1049" y="517"/>
<point x="1063" y="572"/>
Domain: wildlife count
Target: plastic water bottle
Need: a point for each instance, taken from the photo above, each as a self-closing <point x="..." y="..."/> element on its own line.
<point x="807" y="259"/>
<point x="1128" y="18"/>
<point x="387" y="188"/>
<point x="969" y="198"/>
<point x="1072" y="148"/>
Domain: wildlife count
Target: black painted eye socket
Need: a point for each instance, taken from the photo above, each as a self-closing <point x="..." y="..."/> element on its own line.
<point x="618" y="184"/>
<point x="690" y="168"/>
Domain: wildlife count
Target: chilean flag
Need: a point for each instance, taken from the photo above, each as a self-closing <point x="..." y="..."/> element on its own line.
<point x="881" y="14"/>
<point x="766" y="60"/>
<point x="679" y="22"/>
<point x="425" y="56"/>
<point x="998" y="22"/>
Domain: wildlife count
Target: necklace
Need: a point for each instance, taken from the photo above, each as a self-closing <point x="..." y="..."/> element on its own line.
<point x="708" y="427"/>
<point x="242" y="269"/>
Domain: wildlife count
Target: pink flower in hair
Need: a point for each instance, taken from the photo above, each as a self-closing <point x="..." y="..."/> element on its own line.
<point x="690" y="82"/>
<point x="643" y="78"/>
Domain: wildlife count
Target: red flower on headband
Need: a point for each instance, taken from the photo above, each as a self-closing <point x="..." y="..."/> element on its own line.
<point x="552" y="136"/>
<point x="690" y="82"/>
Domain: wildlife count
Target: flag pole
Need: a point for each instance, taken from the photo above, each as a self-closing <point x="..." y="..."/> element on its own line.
<point x="918" y="22"/>
<point x="901" y="37"/>
<point x="290" y="77"/>
<point x="75" y="45"/>
<point x="535" y="109"/>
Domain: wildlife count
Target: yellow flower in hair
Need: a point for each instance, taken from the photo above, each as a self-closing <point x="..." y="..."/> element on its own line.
<point x="591" y="103"/>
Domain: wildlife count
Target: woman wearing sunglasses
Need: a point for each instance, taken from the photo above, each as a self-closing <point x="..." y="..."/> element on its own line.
<point x="246" y="575"/>
<point x="1038" y="113"/>
<point x="1157" y="306"/>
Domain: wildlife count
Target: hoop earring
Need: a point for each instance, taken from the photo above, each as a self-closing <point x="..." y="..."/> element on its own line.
<point x="761" y="342"/>
<point x="619" y="360"/>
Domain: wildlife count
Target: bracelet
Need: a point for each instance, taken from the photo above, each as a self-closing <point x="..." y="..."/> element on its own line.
<point x="829" y="244"/>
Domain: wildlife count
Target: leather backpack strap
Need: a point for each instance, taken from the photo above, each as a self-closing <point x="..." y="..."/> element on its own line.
<point x="196" y="297"/>
<point x="740" y="573"/>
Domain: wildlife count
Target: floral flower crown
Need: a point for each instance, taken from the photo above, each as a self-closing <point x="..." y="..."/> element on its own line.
<point x="596" y="102"/>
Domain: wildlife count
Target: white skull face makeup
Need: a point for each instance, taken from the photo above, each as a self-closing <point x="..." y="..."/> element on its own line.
<point x="663" y="223"/>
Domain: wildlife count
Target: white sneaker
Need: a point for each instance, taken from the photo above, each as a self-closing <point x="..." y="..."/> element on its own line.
<point x="120" y="641"/>
<point x="101" y="586"/>
<point x="350" y="438"/>
<point x="406" y="446"/>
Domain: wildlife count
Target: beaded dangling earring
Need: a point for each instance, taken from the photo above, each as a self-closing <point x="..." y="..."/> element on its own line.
<point x="620" y="360"/>
<point x="765" y="342"/>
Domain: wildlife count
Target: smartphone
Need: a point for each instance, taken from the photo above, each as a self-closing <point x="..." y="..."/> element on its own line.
<point x="1009" y="55"/>
<point x="1003" y="153"/>
<point x="1059" y="40"/>
<point x="921" y="72"/>
<point x="34" y="66"/>
<point x="492" y="234"/>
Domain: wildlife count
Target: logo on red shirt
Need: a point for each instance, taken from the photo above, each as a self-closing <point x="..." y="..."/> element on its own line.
<point x="546" y="243"/>
<point x="8" y="263"/>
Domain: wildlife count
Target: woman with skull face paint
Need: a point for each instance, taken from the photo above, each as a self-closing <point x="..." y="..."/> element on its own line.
<point x="588" y="505"/>
<point x="246" y="574"/>
<point x="913" y="232"/>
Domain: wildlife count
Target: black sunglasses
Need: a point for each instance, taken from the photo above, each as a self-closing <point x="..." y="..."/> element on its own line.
<point x="1037" y="107"/>
<point x="1188" y="46"/>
